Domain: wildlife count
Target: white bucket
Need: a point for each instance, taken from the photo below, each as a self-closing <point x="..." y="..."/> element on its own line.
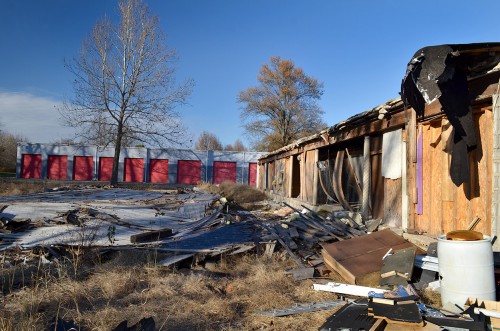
<point x="466" y="270"/>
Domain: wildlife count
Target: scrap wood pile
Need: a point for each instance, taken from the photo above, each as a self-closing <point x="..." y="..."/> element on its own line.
<point x="303" y="233"/>
<point x="383" y="274"/>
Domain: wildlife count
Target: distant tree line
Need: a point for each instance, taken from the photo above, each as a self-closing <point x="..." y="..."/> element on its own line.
<point x="209" y="141"/>
<point x="8" y="151"/>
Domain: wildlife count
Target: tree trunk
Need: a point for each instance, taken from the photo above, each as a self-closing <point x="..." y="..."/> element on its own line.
<point x="116" y="159"/>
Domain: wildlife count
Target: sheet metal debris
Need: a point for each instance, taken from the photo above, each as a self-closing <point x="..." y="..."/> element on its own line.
<point x="303" y="308"/>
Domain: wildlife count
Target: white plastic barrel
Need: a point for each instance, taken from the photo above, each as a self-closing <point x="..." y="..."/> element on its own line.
<point x="466" y="270"/>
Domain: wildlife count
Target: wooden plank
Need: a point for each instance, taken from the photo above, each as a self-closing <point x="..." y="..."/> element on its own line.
<point x="401" y="263"/>
<point x="347" y="289"/>
<point x="482" y="200"/>
<point x="424" y="222"/>
<point x="435" y="149"/>
<point x="360" y="256"/>
<point x="289" y="251"/>
<point x="447" y="186"/>
<point x="392" y="202"/>
<point x="377" y="187"/>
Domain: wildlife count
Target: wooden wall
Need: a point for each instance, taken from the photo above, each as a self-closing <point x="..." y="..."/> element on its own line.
<point x="447" y="207"/>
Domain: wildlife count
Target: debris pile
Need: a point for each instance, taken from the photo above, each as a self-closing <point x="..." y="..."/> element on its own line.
<point x="382" y="273"/>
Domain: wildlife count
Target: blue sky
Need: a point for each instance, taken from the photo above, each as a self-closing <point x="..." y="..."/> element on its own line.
<point x="359" y="49"/>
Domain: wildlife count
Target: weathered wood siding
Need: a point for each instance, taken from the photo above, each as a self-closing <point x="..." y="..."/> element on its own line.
<point x="447" y="207"/>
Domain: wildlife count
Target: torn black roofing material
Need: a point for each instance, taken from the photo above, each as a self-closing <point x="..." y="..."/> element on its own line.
<point x="442" y="72"/>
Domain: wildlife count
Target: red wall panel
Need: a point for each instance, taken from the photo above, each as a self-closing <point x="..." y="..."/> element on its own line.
<point x="57" y="167"/>
<point x="252" y="174"/>
<point x="188" y="172"/>
<point x="105" y="168"/>
<point x="134" y="170"/>
<point x="224" y="172"/>
<point x="158" y="171"/>
<point x="31" y="166"/>
<point x="83" y="167"/>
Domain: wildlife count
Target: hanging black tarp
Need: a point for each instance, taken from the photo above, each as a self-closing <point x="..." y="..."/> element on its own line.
<point x="442" y="72"/>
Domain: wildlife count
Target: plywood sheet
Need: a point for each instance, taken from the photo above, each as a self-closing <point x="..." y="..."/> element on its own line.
<point x="356" y="258"/>
<point x="393" y="202"/>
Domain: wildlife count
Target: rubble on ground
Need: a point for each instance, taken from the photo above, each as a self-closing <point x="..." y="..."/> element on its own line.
<point x="188" y="227"/>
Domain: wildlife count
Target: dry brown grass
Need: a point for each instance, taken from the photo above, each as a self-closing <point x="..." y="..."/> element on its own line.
<point x="177" y="300"/>
<point x="15" y="187"/>
<point x="431" y="297"/>
<point x="239" y="193"/>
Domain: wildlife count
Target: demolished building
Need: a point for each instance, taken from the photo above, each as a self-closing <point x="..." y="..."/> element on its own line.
<point x="428" y="164"/>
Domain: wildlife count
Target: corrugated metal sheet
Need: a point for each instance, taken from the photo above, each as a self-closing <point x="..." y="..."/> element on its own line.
<point x="83" y="167"/>
<point x="252" y="174"/>
<point x="134" y="170"/>
<point x="57" y="167"/>
<point x="188" y="172"/>
<point x="158" y="171"/>
<point x="105" y="168"/>
<point x="224" y="172"/>
<point x="31" y="166"/>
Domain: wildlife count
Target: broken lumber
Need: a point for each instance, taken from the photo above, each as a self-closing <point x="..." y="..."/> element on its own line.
<point x="289" y="251"/>
<point x="348" y="289"/>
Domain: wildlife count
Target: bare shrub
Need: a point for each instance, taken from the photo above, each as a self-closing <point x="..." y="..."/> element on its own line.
<point x="239" y="193"/>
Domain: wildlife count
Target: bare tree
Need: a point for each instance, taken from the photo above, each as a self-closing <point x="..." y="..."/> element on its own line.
<point x="124" y="84"/>
<point x="282" y="108"/>
<point x="208" y="141"/>
<point x="238" y="146"/>
<point x="8" y="151"/>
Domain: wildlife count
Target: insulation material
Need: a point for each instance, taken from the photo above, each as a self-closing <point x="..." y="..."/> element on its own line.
<point x="391" y="154"/>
